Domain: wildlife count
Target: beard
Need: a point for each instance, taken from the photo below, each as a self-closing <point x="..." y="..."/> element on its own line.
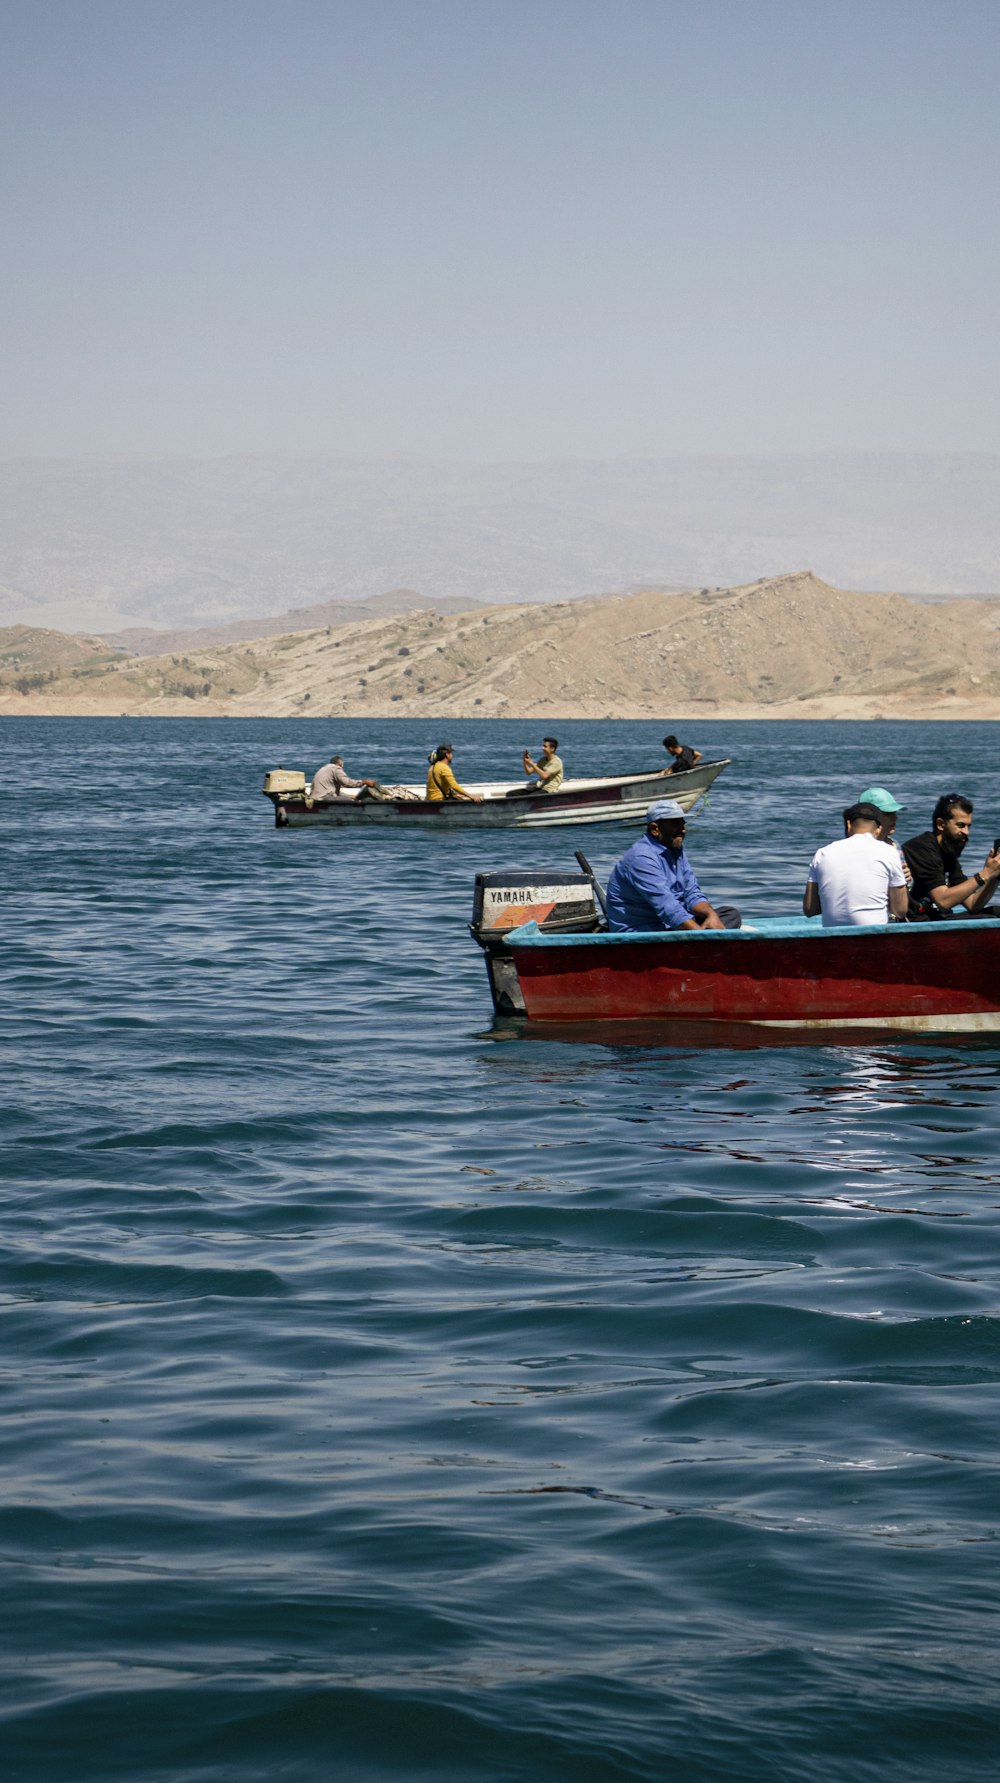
<point x="957" y="846"/>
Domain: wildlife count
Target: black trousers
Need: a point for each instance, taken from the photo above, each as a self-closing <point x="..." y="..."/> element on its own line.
<point x="729" y="916"/>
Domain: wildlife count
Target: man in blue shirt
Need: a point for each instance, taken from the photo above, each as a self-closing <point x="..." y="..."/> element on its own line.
<point x="653" y="885"/>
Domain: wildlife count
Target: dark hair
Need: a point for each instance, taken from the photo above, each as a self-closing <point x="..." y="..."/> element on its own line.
<point x="862" y="813"/>
<point x="945" y="806"/>
<point x="441" y="751"/>
<point x="670" y="743"/>
<point x="553" y="740"/>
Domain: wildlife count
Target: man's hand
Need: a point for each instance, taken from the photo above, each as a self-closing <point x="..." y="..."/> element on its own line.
<point x="706" y="917"/>
<point x="986" y="884"/>
<point x="899" y="902"/>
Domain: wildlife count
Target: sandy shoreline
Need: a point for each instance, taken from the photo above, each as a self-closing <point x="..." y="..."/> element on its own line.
<point x="846" y="709"/>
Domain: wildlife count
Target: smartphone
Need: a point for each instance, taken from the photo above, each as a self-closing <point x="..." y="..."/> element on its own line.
<point x="996" y="845"/>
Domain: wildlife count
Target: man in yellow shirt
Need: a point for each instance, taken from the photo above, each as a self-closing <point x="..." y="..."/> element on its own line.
<point x="441" y="782"/>
<point x="548" y="767"/>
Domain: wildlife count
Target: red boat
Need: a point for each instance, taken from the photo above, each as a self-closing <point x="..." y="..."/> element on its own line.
<point x="784" y="973"/>
<point x="550" y="958"/>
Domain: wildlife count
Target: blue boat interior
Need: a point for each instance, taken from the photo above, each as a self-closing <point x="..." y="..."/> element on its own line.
<point x="774" y="928"/>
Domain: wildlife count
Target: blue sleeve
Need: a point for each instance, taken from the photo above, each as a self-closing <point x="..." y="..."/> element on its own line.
<point x="647" y="875"/>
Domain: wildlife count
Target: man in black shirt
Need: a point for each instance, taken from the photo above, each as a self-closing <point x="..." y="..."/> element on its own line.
<point x="940" y="884"/>
<point x="684" y="756"/>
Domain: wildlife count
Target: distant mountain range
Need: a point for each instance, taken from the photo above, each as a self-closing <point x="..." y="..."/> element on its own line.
<point x="177" y="545"/>
<point x="785" y="646"/>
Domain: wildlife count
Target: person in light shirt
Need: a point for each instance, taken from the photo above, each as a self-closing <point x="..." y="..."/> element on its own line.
<point x="858" y="881"/>
<point x="888" y="810"/>
<point x="548" y="769"/>
<point x="330" y="781"/>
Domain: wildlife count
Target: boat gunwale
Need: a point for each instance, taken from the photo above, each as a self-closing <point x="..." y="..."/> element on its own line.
<point x="765" y="929"/>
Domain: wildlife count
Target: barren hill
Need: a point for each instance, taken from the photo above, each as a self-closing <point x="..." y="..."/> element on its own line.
<point x="33" y="659"/>
<point x="783" y="646"/>
<point x="145" y="640"/>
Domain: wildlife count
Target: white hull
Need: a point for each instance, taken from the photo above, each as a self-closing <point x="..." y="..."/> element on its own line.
<point x="611" y="799"/>
<point x="981" y="1022"/>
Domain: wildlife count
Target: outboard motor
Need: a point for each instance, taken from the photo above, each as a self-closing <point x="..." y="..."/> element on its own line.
<point x="560" y="903"/>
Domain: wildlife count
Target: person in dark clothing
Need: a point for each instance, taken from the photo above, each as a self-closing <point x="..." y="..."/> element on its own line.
<point x="684" y="756"/>
<point x="940" y="883"/>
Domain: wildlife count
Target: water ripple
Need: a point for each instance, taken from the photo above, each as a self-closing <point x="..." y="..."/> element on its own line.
<point x="383" y="1400"/>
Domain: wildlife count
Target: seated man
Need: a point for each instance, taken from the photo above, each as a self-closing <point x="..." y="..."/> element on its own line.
<point x="653" y="886"/>
<point x="330" y="781"/>
<point x="939" y="883"/>
<point x="858" y="881"/>
<point x="888" y="809"/>
<point x="548" y="767"/>
<point x="684" y="756"/>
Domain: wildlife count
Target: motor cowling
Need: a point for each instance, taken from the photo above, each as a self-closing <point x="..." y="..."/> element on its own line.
<point x="560" y="903"/>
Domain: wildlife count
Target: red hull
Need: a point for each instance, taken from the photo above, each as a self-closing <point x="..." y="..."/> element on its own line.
<point x="895" y="976"/>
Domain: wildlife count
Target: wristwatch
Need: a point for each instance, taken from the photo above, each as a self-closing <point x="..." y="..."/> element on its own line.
<point x="979" y="879"/>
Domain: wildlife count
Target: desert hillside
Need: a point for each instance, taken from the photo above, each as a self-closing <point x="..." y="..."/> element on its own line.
<point x="784" y="646"/>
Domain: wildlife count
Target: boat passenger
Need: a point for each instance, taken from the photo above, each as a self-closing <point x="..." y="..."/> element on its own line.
<point x="888" y="809"/>
<point x="940" y="884"/>
<point x="548" y="768"/>
<point x="330" y="781"/>
<point x="653" y="885"/>
<point x="858" y="881"/>
<point x="684" y="756"/>
<point x="441" y="782"/>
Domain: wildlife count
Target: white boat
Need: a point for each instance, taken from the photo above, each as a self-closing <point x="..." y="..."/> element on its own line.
<point x="611" y="798"/>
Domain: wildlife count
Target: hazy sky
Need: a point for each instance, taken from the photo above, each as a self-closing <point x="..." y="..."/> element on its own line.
<point x="528" y="229"/>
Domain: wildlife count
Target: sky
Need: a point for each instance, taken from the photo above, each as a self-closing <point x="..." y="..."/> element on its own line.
<point x="538" y="229"/>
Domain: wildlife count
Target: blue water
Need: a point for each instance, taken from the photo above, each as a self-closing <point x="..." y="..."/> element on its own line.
<point x="385" y="1400"/>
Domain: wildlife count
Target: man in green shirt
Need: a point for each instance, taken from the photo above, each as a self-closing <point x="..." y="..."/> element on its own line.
<point x="548" y="767"/>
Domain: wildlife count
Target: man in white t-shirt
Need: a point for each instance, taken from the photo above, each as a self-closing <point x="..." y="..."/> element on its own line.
<point x="858" y="881"/>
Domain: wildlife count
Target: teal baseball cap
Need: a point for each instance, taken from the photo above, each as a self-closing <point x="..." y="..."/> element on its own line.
<point x="880" y="797"/>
